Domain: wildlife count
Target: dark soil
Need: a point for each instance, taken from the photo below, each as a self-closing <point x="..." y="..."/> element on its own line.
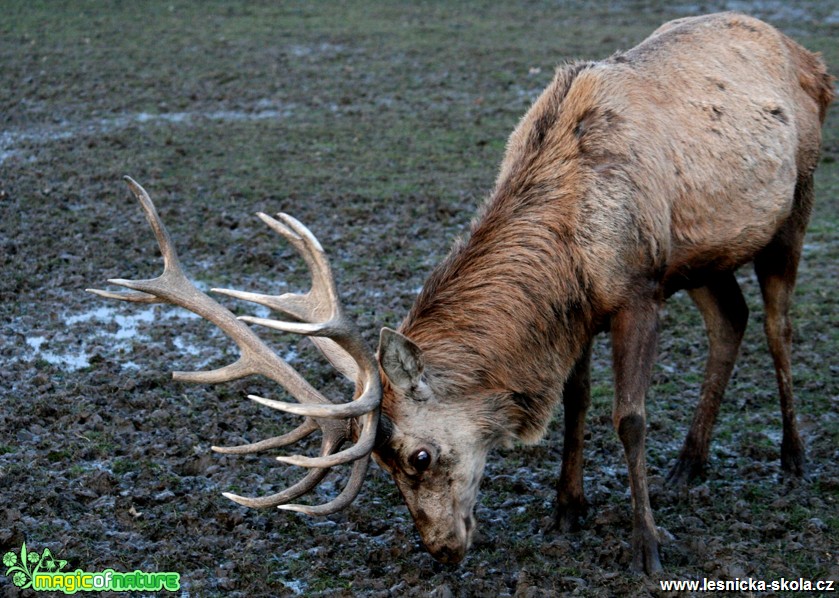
<point x="380" y="126"/>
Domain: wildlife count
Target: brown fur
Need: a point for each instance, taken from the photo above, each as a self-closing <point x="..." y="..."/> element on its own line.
<point x="664" y="167"/>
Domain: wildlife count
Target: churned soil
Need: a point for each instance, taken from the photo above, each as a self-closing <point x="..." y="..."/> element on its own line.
<point x="380" y="126"/>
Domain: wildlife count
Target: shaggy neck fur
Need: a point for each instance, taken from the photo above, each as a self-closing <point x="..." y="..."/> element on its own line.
<point x="503" y="323"/>
<point x="503" y="319"/>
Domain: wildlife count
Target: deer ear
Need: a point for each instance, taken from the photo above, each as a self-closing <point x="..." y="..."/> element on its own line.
<point x="400" y="358"/>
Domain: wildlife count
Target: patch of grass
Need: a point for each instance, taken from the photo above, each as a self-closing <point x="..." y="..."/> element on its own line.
<point x="123" y="465"/>
<point x="602" y="395"/>
<point x="48" y="532"/>
<point x="59" y="456"/>
<point x="798" y="516"/>
<point x="326" y="582"/>
<point x="75" y="471"/>
<point x="757" y="495"/>
<point x="102" y="441"/>
<point x="832" y="522"/>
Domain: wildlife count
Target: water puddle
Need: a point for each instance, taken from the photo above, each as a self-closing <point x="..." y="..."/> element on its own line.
<point x="130" y="328"/>
<point x="120" y="328"/>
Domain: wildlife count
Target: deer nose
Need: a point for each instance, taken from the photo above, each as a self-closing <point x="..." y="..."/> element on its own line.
<point x="452" y="549"/>
<point x="450" y="555"/>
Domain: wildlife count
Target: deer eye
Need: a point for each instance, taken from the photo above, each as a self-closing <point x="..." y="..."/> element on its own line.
<point x="420" y="460"/>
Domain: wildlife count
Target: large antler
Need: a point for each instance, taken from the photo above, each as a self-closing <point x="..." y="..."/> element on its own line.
<point x="321" y="317"/>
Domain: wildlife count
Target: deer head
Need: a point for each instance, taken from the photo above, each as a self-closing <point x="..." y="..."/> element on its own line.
<point x="434" y="452"/>
<point x="435" y="449"/>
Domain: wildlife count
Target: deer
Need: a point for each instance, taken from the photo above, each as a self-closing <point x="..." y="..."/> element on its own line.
<point x="662" y="168"/>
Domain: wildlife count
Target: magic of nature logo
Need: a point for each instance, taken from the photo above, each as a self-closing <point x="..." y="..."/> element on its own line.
<point x="44" y="573"/>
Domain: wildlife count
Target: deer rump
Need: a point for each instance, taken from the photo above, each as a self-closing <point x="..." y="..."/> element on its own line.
<point x="661" y="168"/>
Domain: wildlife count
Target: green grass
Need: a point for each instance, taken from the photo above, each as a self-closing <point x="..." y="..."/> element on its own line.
<point x="121" y="466"/>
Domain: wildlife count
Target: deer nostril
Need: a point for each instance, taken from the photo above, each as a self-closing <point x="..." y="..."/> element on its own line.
<point x="448" y="555"/>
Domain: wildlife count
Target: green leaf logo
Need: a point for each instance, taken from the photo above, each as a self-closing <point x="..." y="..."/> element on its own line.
<point x="50" y="564"/>
<point x="23" y="567"/>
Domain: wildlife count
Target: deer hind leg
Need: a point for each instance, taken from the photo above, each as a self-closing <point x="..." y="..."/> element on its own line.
<point x="571" y="505"/>
<point x="776" y="267"/>
<point x="634" y="340"/>
<point x="725" y="313"/>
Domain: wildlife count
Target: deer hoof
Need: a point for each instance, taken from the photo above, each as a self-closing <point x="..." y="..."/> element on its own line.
<point x="568" y="516"/>
<point x="685" y="470"/>
<point x="792" y="457"/>
<point x="645" y="557"/>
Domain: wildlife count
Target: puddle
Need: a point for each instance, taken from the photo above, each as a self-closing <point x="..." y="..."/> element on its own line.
<point x="71" y="360"/>
<point x="298" y="587"/>
<point x="129" y="328"/>
<point x="127" y="323"/>
<point x="96" y="329"/>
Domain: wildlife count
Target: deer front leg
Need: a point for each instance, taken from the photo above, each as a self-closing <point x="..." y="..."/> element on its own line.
<point x="571" y="503"/>
<point x="634" y="340"/>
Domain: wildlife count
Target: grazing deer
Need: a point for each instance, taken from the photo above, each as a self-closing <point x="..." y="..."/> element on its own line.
<point x="661" y="168"/>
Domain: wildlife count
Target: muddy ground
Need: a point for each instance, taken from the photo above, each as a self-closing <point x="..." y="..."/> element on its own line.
<point x="381" y="126"/>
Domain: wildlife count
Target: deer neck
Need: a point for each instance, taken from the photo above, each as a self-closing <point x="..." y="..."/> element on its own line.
<point x="503" y="320"/>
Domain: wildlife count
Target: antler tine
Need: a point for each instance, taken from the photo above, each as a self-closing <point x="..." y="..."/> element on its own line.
<point x="238" y="369"/>
<point x="321" y="303"/>
<point x="363" y="446"/>
<point x="312" y="479"/>
<point x="310" y="249"/>
<point x="132" y="296"/>
<point x="354" y="409"/>
<point x="332" y="440"/>
<point x="299" y="433"/>
<point x="320" y="308"/>
<point x="340" y="502"/>
<point x="167" y="248"/>
<point x="304" y="486"/>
